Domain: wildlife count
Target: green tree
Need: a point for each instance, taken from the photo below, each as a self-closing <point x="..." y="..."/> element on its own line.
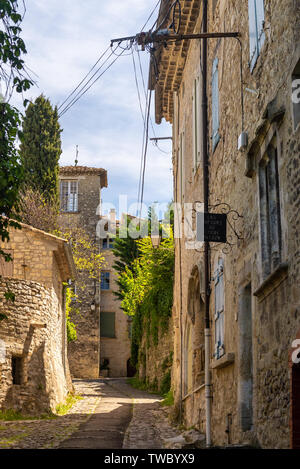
<point x="146" y="288"/>
<point x="13" y="76"/>
<point x="40" y="149"/>
<point x="125" y="251"/>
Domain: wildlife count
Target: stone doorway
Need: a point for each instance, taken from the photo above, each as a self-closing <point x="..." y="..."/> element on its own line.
<point x="131" y="370"/>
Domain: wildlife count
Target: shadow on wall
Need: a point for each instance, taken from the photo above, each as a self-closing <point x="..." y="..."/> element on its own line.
<point x="28" y="391"/>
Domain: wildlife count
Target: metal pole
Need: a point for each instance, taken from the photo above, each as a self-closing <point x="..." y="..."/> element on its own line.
<point x="206" y="244"/>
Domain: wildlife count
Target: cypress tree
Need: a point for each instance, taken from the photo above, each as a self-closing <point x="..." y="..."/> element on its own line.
<point x="40" y="149"/>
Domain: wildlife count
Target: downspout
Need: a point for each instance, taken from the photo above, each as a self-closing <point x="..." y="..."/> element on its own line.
<point x="206" y="244"/>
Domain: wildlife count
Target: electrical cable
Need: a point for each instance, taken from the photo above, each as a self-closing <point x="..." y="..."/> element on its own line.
<point x="151" y="14"/>
<point x="84" y="90"/>
<point x="74" y="91"/>
<point x="145" y="153"/>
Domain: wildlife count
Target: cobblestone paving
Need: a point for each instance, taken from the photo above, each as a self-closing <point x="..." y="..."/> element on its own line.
<point x="149" y="426"/>
<point x="110" y="402"/>
<point x="46" y="434"/>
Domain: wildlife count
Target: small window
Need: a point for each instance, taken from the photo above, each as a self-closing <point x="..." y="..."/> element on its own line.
<point x="6" y="267"/>
<point x="69" y="196"/>
<point x="107" y="243"/>
<point x="256" y="29"/>
<point x="215" y="105"/>
<point x="107" y="325"/>
<point x="17" y="369"/>
<point x="296" y="95"/>
<point x="105" y="280"/>
<point x="219" y="310"/>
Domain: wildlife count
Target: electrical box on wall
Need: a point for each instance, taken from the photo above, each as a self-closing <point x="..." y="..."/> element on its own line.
<point x="243" y="141"/>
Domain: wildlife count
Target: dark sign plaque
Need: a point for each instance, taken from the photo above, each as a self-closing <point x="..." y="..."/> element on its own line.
<point x="211" y="227"/>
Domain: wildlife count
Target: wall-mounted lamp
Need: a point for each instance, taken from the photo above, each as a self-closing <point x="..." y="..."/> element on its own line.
<point x="155" y="240"/>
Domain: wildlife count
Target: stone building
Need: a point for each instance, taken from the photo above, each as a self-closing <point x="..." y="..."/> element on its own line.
<point x="254" y="306"/>
<point x="34" y="371"/>
<point x="80" y="198"/>
<point x="115" y="326"/>
<point x="103" y="342"/>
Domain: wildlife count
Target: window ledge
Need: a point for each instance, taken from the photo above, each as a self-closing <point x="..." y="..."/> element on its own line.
<point x="272" y="282"/>
<point x="224" y="361"/>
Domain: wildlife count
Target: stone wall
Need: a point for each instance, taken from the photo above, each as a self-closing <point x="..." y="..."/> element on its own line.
<point x="155" y="361"/>
<point x="275" y="302"/>
<point x="32" y="332"/>
<point x="84" y="353"/>
<point x="116" y="350"/>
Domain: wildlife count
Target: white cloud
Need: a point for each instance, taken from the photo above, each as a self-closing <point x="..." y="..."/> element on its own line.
<point x="64" y="38"/>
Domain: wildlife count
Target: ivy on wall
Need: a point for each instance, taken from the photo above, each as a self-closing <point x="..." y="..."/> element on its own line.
<point x="147" y="291"/>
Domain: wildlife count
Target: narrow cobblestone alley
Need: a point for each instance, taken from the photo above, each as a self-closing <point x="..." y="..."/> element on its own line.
<point x="111" y="414"/>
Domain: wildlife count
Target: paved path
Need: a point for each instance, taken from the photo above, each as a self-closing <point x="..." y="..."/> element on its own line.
<point x="106" y="428"/>
<point x="111" y="415"/>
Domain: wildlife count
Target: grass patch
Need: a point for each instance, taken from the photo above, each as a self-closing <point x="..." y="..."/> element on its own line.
<point x="11" y="415"/>
<point x="142" y="385"/>
<point x="168" y="399"/>
<point x="63" y="409"/>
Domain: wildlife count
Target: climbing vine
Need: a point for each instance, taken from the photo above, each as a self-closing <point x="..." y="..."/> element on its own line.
<point x="147" y="291"/>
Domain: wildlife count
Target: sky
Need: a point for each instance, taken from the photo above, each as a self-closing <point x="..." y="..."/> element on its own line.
<point x="64" y="38"/>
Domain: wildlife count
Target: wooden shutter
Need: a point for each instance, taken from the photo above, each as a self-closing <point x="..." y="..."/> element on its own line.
<point x="6" y="268"/>
<point x="72" y="196"/>
<point x="107" y="325"/>
<point x="215" y="104"/>
<point x="256" y="29"/>
<point x="64" y="191"/>
<point x="219" y="311"/>
<point x="260" y="21"/>
<point x="195" y="125"/>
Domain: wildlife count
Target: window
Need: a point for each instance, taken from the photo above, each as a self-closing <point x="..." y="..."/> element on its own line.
<point x="296" y="95"/>
<point x="69" y="196"/>
<point x="16" y="369"/>
<point x="181" y="167"/>
<point x="107" y="243"/>
<point x="256" y="29"/>
<point x="6" y="268"/>
<point x="196" y="124"/>
<point x="270" y="226"/>
<point x="219" y="310"/>
<point x="215" y="105"/>
<point x="105" y="280"/>
<point x="107" y="325"/>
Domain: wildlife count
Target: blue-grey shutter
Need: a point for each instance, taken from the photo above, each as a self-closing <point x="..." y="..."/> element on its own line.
<point x="260" y="21"/>
<point x="215" y="104"/>
<point x="256" y="29"/>
<point x="253" y="33"/>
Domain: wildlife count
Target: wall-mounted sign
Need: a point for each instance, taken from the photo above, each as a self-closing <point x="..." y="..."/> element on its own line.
<point x="211" y="227"/>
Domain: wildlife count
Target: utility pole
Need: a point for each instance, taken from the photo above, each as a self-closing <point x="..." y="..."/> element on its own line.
<point x="162" y="36"/>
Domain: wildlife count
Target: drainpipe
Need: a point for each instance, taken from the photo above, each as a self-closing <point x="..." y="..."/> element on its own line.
<point x="206" y="244"/>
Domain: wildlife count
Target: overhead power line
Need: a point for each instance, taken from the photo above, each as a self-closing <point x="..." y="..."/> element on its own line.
<point x="82" y="81"/>
<point x="86" y="88"/>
